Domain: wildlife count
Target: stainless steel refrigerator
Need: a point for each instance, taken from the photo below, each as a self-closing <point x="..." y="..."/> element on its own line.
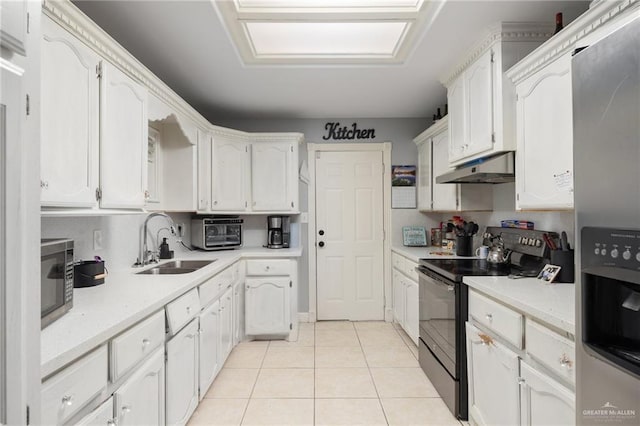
<point x="606" y="118"/>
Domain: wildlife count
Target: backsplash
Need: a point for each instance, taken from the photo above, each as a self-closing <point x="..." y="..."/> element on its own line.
<point x="121" y="235"/>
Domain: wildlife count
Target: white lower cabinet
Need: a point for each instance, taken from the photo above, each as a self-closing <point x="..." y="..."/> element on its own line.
<point x="101" y="416"/>
<point x="267" y="305"/>
<point x="209" y="346"/>
<point x="141" y="399"/>
<point x="226" y="325"/>
<point x="405" y="295"/>
<point x="238" y="312"/>
<point x="182" y="374"/>
<point x="493" y="380"/>
<point x="543" y="400"/>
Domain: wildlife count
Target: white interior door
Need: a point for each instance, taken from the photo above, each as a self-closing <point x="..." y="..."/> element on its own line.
<point x="349" y="235"/>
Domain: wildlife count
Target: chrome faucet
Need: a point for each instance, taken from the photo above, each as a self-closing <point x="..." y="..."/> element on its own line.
<point x="143" y="258"/>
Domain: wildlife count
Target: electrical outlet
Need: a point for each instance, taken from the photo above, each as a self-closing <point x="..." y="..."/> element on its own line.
<point x="180" y="230"/>
<point x="97" y="239"/>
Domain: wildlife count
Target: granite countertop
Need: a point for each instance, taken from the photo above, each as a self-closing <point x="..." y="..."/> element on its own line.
<point x="99" y="313"/>
<point x="553" y="304"/>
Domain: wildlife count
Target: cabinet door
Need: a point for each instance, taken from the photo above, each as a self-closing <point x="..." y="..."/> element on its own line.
<point x="398" y="298"/>
<point x="411" y="309"/>
<point x="204" y="171"/>
<point x="457" y="119"/>
<point x="154" y="168"/>
<point x="478" y="80"/>
<point x="493" y="380"/>
<point x="70" y="100"/>
<point x="123" y="141"/>
<point x="273" y="179"/>
<point x="140" y="400"/>
<point x="226" y="325"/>
<point x="182" y="375"/>
<point x="267" y="305"/>
<point x="101" y="416"/>
<point x="544" y="401"/>
<point x="424" y="176"/>
<point x="545" y="139"/>
<point x="229" y="175"/>
<point x="13" y="25"/>
<point x="209" y="349"/>
<point x="238" y="312"/>
<point x="445" y="195"/>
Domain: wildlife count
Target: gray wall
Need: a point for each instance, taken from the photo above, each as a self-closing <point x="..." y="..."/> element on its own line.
<point x="400" y="132"/>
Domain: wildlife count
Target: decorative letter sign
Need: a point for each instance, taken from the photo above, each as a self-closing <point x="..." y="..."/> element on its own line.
<point x="335" y="132"/>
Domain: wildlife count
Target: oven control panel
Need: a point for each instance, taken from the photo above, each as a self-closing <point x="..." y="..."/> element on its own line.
<point x="611" y="247"/>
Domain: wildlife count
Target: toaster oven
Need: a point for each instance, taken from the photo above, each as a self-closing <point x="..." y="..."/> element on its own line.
<point x="216" y="233"/>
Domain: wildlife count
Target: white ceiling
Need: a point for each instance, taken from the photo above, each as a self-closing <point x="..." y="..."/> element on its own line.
<point x="185" y="44"/>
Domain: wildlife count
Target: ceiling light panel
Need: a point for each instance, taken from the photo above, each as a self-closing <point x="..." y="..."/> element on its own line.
<point x="326" y="39"/>
<point x="328" y="4"/>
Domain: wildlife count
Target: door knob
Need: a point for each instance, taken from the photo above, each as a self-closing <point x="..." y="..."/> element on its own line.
<point x="321" y="232"/>
<point x="321" y="244"/>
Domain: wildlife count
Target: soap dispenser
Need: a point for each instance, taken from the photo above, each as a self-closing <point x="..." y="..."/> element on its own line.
<point x="165" y="253"/>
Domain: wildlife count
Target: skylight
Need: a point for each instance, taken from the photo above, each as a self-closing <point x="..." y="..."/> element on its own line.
<point x="330" y="32"/>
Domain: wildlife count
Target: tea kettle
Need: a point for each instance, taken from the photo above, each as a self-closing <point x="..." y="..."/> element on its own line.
<point x="498" y="255"/>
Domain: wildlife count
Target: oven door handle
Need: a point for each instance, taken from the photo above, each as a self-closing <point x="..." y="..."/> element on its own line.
<point x="438" y="281"/>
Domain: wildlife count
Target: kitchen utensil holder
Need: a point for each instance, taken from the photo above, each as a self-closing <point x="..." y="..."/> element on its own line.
<point x="464" y="245"/>
<point x="564" y="259"/>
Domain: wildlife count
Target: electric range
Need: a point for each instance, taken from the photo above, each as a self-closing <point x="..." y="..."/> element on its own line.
<point x="443" y="307"/>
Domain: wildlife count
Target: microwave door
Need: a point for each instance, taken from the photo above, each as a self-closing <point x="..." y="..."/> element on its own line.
<point x="52" y="283"/>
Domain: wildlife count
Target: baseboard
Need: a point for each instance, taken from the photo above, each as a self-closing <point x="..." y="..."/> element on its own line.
<point x="388" y="315"/>
<point x="303" y="317"/>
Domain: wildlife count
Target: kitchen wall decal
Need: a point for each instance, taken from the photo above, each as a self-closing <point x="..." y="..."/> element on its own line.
<point x="403" y="187"/>
<point x="335" y="132"/>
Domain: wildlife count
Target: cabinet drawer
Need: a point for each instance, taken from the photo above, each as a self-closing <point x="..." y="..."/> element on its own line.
<point x="133" y="345"/>
<point x="410" y="269"/>
<point x="182" y="310"/>
<point x="268" y="267"/>
<point x="103" y="415"/>
<point x="551" y="349"/>
<point x="67" y="392"/>
<point x="214" y="285"/>
<point x="504" y="321"/>
<point x="397" y="261"/>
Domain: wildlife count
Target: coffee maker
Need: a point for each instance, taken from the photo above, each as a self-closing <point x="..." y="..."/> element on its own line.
<point x="278" y="231"/>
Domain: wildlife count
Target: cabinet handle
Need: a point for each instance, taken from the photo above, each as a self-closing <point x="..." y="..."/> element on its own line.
<point x="112" y="422"/>
<point x="145" y="342"/>
<point x="126" y="409"/>
<point x="215" y="203"/>
<point x="489" y="317"/>
<point x="565" y="361"/>
<point x="67" y="400"/>
<point x="188" y="309"/>
<point x="44" y="184"/>
<point x="147" y="195"/>
<point x="485" y="339"/>
<point x="521" y="381"/>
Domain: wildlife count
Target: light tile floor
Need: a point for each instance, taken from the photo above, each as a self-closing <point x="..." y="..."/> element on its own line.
<point x="337" y="373"/>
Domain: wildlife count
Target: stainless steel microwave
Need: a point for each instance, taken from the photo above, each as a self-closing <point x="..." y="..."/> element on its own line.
<point x="56" y="279"/>
<point x="216" y="233"/>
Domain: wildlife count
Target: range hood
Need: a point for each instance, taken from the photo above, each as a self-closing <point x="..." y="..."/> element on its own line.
<point x="497" y="169"/>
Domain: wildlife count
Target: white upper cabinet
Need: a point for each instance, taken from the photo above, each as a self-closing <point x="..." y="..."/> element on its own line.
<point x="478" y="84"/>
<point x="274" y="183"/>
<point x="229" y="175"/>
<point x="13" y="25"/>
<point x="123" y="140"/>
<point x="433" y="161"/>
<point x="204" y="170"/>
<point x="481" y="101"/>
<point x="424" y="175"/>
<point x="70" y="125"/>
<point x="544" y="168"/>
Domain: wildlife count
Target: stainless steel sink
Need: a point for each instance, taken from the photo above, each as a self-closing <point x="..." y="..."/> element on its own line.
<point x="177" y="267"/>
